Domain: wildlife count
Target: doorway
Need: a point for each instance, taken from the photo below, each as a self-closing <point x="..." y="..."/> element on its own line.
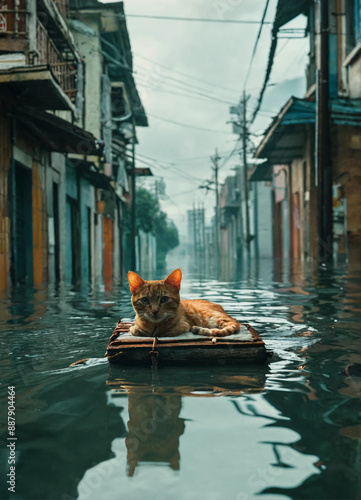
<point x="21" y="224"/>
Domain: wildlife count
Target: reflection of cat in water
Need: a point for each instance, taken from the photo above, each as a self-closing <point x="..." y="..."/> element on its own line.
<point x="154" y="429"/>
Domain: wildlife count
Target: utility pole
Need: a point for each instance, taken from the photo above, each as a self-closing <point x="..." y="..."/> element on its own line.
<point x="195" y="238"/>
<point x="215" y="159"/>
<point x="245" y="169"/>
<point x="204" y="256"/>
<point x="133" y="228"/>
<point x="324" y="168"/>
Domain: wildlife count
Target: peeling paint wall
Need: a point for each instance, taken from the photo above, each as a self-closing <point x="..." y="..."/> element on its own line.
<point x="5" y="155"/>
<point x="39" y="224"/>
<point x="59" y="169"/>
<point x="90" y="49"/>
<point x="347" y="173"/>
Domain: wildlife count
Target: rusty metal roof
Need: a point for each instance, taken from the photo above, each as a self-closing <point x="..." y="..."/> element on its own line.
<point x="260" y="172"/>
<point x="60" y="135"/>
<point x="36" y="84"/>
<point x="284" y="139"/>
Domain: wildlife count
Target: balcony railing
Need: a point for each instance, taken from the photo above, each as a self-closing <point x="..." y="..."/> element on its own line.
<point x="14" y="30"/>
<point x="13" y="16"/>
<point x="13" y="22"/>
<point x="63" y="70"/>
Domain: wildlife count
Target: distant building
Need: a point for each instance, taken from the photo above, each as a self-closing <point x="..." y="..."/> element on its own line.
<point x="200" y="244"/>
<point x="113" y="110"/>
<point x="231" y="222"/>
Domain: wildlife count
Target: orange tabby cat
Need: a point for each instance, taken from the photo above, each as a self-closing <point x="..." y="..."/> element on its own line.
<point x="161" y="313"/>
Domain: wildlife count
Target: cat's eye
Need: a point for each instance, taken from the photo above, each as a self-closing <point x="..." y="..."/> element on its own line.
<point x="145" y="301"/>
<point x="164" y="299"/>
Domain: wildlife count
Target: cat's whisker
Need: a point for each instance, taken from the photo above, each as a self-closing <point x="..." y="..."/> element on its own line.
<point x="159" y="310"/>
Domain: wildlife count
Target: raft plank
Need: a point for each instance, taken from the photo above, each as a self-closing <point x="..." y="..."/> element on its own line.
<point x="139" y="350"/>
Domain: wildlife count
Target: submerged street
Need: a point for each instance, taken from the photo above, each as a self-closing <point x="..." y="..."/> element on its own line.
<point x="212" y="145"/>
<point x="288" y="429"/>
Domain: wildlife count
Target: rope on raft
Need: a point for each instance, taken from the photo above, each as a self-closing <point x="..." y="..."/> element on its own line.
<point x="154" y="359"/>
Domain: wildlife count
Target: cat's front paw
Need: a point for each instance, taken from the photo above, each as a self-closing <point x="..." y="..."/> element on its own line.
<point x="198" y="330"/>
<point x="134" y="330"/>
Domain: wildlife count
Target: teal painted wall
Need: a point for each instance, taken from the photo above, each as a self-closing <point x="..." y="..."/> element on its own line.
<point x="70" y="221"/>
<point x="86" y="203"/>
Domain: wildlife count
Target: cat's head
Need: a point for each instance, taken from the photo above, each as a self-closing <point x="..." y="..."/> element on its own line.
<point x="155" y="301"/>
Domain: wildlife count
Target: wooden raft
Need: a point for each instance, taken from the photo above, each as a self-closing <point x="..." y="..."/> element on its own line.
<point x="125" y="350"/>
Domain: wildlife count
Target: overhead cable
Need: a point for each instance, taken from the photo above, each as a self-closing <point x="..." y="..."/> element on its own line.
<point x="256" y="43"/>
<point x="188" y="125"/>
<point x="196" y="19"/>
<point x="183" y="74"/>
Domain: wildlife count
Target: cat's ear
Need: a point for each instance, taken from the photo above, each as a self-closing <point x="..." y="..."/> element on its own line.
<point x="135" y="281"/>
<point x="174" y="279"/>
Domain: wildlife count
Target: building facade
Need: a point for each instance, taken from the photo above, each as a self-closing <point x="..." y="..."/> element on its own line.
<point x="63" y="155"/>
<point x="290" y="144"/>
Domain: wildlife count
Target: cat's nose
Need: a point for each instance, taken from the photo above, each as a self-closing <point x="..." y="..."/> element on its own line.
<point x="155" y="311"/>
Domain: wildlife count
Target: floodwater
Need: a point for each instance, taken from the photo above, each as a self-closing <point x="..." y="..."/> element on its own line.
<point x="290" y="429"/>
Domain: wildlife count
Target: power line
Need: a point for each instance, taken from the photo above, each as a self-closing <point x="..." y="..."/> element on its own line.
<point x="196" y="158"/>
<point x="185" y="192"/>
<point x="187" y="125"/>
<point x="192" y="93"/>
<point x="188" y="85"/>
<point x="168" y="163"/>
<point x="196" y="19"/>
<point x="181" y="160"/>
<point x="230" y="155"/>
<point x="155" y="164"/>
<point x="196" y="92"/>
<point x="204" y="99"/>
<point x="183" y="74"/>
<point x="179" y="173"/>
<point x="256" y="43"/>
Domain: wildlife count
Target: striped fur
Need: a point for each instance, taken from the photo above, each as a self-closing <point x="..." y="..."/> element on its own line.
<point x="159" y="317"/>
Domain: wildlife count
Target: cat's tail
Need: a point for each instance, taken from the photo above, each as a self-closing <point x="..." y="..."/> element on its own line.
<point x="229" y="329"/>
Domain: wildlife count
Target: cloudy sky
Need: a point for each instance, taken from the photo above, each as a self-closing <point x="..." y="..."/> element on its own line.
<point x="189" y="73"/>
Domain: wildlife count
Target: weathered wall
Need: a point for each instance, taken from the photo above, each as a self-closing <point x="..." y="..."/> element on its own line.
<point x="297" y="207"/>
<point x="40" y="235"/>
<point x="98" y="249"/>
<point x="71" y="233"/>
<point x="87" y="208"/>
<point x="90" y="49"/>
<point x="310" y="244"/>
<point x="28" y="153"/>
<point x="116" y="249"/>
<point x="264" y="217"/>
<point x="354" y="73"/>
<point x="347" y="172"/>
<point x="5" y="155"/>
<point x="146" y="252"/>
<point x="108" y="251"/>
<point x="58" y="166"/>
